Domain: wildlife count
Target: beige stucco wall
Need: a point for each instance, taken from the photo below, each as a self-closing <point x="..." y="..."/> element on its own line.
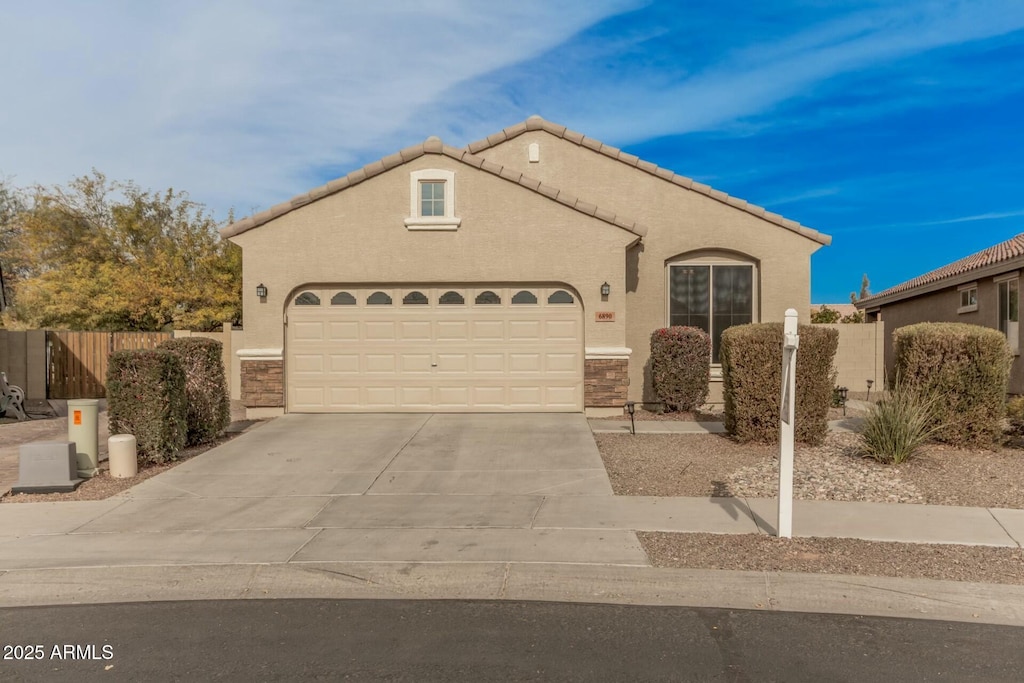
<point x="679" y="221"/>
<point x="860" y="355"/>
<point x="941" y="307"/>
<point x="358" y="236"/>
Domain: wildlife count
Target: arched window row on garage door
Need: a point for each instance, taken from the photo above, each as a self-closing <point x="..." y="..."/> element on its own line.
<point x="486" y="297"/>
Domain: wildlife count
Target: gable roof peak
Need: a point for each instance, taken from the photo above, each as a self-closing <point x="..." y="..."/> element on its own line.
<point x="535" y="122"/>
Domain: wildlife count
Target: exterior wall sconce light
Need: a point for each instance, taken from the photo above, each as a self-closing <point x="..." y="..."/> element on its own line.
<point x="606" y="289"/>
<point x="261" y="290"/>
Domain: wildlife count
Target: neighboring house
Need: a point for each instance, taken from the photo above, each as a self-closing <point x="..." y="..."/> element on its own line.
<point x="981" y="289"/>
<point x="525" y="272"/>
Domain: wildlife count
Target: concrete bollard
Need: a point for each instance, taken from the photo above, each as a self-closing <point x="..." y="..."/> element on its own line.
<point x="122" y="455"/>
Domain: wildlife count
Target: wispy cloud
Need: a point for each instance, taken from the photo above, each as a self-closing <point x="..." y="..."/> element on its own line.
<point x="996" y="215"/>
<point x="240" y="102"/>
<point x="817" y="193"/>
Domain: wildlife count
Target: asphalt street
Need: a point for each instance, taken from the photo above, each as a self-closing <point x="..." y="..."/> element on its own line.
<point x="408" y="640"/>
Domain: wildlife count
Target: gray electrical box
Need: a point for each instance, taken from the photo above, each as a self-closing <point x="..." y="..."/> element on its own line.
<point x="47" y="467"/>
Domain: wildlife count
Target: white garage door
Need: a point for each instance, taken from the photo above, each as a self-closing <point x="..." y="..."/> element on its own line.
<point x="458" y="348"/>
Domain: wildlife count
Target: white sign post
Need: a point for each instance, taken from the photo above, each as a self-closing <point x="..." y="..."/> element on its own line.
<point x="790" y="343"/>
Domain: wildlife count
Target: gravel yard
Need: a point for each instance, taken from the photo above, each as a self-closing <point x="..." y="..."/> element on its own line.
<point x="714" y="465"/>
<point x="750" y="552"/>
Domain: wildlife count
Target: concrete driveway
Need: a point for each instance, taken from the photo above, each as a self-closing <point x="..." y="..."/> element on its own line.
<point x="315" y="455"/>
<point x="313" y="489"/>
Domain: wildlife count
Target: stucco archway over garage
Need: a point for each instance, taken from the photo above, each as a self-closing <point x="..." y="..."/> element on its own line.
<point x="479" y="347"/>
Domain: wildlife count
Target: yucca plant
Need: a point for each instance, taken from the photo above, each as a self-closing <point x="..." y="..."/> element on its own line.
<point x="898" y="425"/>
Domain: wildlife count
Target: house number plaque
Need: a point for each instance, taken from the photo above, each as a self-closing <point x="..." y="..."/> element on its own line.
<point x="605" y="316"/>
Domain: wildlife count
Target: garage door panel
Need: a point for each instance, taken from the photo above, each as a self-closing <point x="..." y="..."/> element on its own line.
<point x="344" y="363"/>
<point x="562" y="362"/>
<point x="561" y="397"/>
<point x="524" y="362"/>
<point x="488" y="396"/>
<point x="489" y="362"/>
<point x="342" y="332"/>
<point x="344" y="397"/>
<point x="415" y="330"/>
<point x="308" y="363"/>
<point x="379" y="330"/>
<point x="453" y="397"/>
<point x="308" y="397"/>
<point x="452" y="330"/>
<point x="497" y="357"/>
<point x="489" y="330"/>
<point x="453" y="363"/>
<point x="519" y="330"/>
<point x="525" y="396"/>
<point x="380" y="397"/>
<point x="380" y="362"/>
<point x="418" y="363"/>
<point x="417" y="396"/>
<point x="562" y="330"/>
<point x="307" y="331"/>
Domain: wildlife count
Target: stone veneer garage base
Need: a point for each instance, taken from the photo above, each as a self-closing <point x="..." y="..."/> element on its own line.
<point x="263" y="383"/>
<point x="605" y="382"/>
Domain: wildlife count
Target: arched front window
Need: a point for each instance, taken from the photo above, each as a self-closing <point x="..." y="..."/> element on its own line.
<point x="378" y="299"/>
<point x="712" y="294"/>
<point x="307" y="299"/>
<point x="488" y="297"/>
<point x="451" y="299"/>
<point x="561" y="297"/>
<point x="343" y="299"/>
<point x="415" y="298"/>
<point x="524" y="297"/>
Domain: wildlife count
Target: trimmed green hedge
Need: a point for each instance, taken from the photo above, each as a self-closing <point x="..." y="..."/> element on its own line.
<point x="206" y="389"/>
<point x="751" y="358"/>
<point x="146" y="397"/>
<point x="967" y="367"/>
<point x="681" y="366"/>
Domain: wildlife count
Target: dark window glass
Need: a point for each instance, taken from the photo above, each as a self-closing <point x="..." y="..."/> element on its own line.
<point x="343" y="299"/>
<point x="307" y="299"/>
<point x="711" y="298"/>
<point x="524" y="297"/>
<point x="378" y="299"/>
<point x="451" y="299"/>
<point x="415" y="298"/>
<point x="560" y="297"/>
<point x="488" y="297"/>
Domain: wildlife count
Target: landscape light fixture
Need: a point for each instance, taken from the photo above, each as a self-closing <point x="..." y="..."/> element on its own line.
<point x="631" y="408"/>
<point x="870" y="382"/>
<point x="261" y="290"/>
<point x="842" y="397"/>
<point x="606" y="289"/>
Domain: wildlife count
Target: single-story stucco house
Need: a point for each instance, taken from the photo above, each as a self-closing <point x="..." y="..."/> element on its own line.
<point x="980" y="289"/>
<point x="525" y="272"/>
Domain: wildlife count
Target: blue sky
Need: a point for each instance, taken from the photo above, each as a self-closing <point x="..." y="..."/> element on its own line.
<point x="895" y="127"/>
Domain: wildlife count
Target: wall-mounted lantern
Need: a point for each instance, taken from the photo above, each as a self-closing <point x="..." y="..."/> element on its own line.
<point x="261" y="290"/>
<point x="606" y="289"/>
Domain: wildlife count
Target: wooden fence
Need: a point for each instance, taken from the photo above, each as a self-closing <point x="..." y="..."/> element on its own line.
<point x="77" y="366"/>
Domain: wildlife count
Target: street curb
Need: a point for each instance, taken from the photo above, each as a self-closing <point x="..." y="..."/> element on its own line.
<point x="764" y="591"/>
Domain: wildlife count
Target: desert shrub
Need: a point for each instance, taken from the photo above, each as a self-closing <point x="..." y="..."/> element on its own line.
<point x="681" y="366"/>
<point x="146" y="397"/>
<point x="898" y="425"/>
<point x="209" y="408"/>
<point x="968" y="366"/>
<point x="752" y="377"/>
<point x="1015" y="415"/>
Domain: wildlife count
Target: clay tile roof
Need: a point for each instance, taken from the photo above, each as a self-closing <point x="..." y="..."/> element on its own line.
<point x="537" y="123"/>
<point x="433" y="145"/>
<point x="1004" y="251"/>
